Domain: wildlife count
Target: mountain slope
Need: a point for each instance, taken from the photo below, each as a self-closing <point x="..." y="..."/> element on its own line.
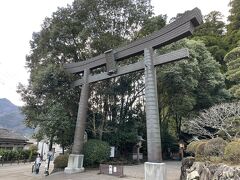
<point x="12" y="118"/>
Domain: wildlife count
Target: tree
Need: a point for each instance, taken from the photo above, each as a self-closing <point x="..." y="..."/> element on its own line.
<point x="212" y="33"/>
<point x="152" y="24"/>
<point x="188" y="85"/>
<point x="233" y="71"/>
<point x="50" y="105"/>
<point x="221" y="118"/>
<point x="73" y="34"/>
<point x="233" y="32"/>
<point x="117" y="105"/>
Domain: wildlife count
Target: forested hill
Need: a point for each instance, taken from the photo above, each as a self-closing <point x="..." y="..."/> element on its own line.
<point x="12" y="118"/>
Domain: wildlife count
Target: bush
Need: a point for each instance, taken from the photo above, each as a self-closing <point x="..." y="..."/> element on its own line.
<point x="25" y="154"/>
<point x="195" y="145"/>
<point x="61" y="161"/>
<point x="200" y="148"/>
<point x="33" y="152"/>
<point x="215" y="147"/>
<point x="232" y="152"/>
<point x="11" y="155"/>
<point x="95" y="152"/>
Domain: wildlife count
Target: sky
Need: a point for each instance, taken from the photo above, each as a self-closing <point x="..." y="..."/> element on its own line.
<point x="19" y="19"/>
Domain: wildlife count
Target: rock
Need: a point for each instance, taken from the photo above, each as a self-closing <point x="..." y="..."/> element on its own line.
<point x="199" y="166"/>
<point x="218" y="173"/>
<point x="226" y="172"/>
<point x="213" y="168"/>
<point x="206" y="174"/>
<point x="186" y="164"/>
<point x="236" y="177"/>
<point x="193" y="175"/>
<point x="208" y="171"/>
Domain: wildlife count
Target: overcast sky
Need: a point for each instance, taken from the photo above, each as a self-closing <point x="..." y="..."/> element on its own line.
<point x="19" y="19"/>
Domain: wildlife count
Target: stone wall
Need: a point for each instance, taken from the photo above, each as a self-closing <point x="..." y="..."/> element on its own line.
<point x="192" y="170"/>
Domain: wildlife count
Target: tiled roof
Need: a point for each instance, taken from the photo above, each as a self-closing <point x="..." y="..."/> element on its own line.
<point x="7" y="134"/>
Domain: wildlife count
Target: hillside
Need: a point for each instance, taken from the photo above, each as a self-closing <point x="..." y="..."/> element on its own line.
<point x="12" y="118"/>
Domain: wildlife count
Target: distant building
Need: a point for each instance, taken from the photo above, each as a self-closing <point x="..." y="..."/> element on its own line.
<point x="11" y="141"/>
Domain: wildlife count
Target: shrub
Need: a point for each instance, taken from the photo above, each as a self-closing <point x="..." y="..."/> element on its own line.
<point x="215" y="159"/>
<point x="11" y="155"/>
<point x="25" y="154"/>
<point x="195" y="145"/>
<point x="33" y="152"/>
<point x="191" y="147"/>
<point x="61" y="161"/>
<point x="95" y="152"/>
<point x="232" y="152"/>
<point x="200" y="148"/>
<point x="215" y="147"/>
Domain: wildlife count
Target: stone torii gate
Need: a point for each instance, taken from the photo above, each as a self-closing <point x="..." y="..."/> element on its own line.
<point x="177" y="30"/>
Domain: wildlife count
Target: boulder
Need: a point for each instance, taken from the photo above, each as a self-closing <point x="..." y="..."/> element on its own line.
<point x="193" y="175"/>
<point x="206" y="174"/>
<point x="186" y="164"/>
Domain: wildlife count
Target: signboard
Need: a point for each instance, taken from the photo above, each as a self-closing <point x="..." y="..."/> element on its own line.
<point x="110" y="169"/>
<point x="112" y="152"/>
<point x="114" y="170"/>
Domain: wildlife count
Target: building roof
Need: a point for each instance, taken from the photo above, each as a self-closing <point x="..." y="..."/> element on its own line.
<point x="9" y="135"/>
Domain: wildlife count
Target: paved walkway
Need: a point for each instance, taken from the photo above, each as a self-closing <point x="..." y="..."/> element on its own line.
<point x="136" y="172"/>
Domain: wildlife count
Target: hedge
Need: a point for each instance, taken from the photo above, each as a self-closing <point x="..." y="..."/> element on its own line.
<point x="11" y="155"/>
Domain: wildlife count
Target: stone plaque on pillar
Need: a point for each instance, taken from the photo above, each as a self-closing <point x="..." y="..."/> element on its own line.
<point x="110" y="62"/>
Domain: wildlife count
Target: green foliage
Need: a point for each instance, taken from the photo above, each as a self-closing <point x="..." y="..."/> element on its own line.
<point x="233" y="32"/>
<point x="169" y="141"/>
<point x="95" y="152"/>
<point x="61" y="161"/>
<point x="33" y="148"/>
<point x="189" y="85"/>
<point x="13" y="155"/>
<point x="215" y="147"/>
<point x="234" y="15"/>
<point x="232" y="151"/>
<point x="116" y="112"/>
<point x="74" y="34"/>
<point x="152" y="24"/>
<point x="211" y="32"/>
<point x="33" y="152"/>
<point x="233" y="70"/>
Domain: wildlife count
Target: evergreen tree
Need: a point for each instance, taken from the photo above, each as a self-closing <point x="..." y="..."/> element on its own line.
<point x="233" y="28"/>
<point x="75" y="33"/>
<point x="233" y="70"/>
<point x="212" y="33"/>
<point x="188" y="86"/>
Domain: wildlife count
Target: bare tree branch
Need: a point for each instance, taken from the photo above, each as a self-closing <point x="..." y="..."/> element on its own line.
<point x="223" y="117"/>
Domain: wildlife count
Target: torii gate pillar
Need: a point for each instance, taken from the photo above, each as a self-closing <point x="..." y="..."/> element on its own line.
<point x="75" y="160"/>
<point x="152" y="113"/>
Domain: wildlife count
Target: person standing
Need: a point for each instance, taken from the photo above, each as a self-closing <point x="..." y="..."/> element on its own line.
<point x="38" y="163"/>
